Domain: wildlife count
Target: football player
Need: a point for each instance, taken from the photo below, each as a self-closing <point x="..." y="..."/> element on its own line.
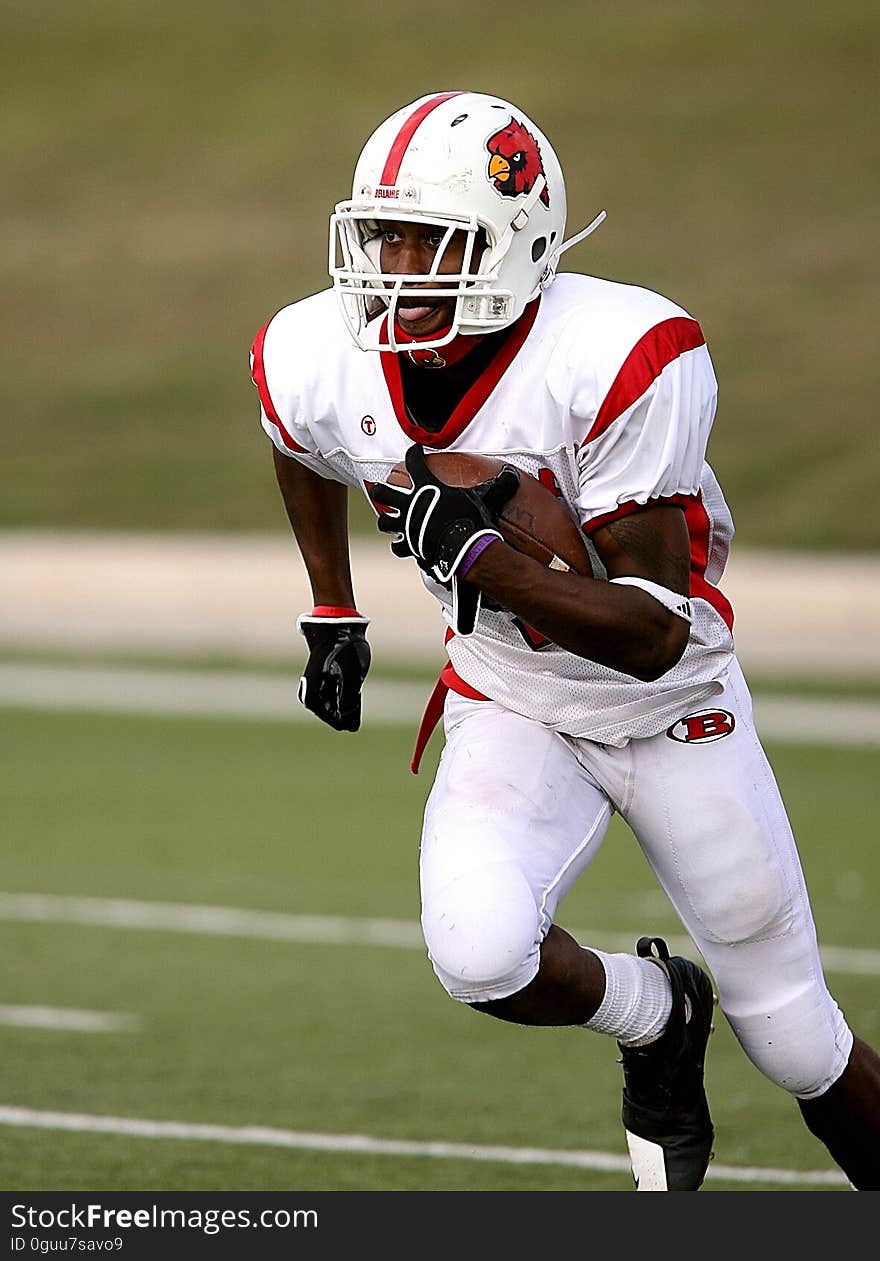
<point x="565" y="698"/>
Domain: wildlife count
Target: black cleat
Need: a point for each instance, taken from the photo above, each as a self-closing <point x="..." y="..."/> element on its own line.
<point x="665" y="1114"/>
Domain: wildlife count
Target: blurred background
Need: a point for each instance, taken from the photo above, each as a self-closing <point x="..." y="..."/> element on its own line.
<point x="169" y="170"/>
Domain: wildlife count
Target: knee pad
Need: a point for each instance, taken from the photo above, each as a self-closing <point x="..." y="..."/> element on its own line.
<point x="802" y="1046"/>
<point x="483" y="933"/>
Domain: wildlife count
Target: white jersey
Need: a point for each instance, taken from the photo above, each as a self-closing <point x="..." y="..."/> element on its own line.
<point x="607" y="392"/>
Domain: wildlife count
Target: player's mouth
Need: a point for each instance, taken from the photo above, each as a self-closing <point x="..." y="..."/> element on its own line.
<point x="413" y="314"/>
<point x="424" y="317"/>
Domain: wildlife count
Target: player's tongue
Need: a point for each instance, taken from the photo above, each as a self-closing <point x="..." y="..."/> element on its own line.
<point x="412" y="314"/>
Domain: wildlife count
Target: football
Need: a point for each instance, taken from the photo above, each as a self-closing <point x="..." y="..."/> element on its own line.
<point x="534" y="521"/>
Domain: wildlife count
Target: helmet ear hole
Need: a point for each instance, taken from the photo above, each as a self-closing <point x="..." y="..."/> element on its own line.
<point x="539" y="248"/>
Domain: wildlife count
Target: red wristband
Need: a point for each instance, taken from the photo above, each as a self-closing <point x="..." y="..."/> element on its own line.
<point x="330" y="610"/>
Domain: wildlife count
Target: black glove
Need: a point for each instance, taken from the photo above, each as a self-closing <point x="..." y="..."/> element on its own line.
<point x="339" y="658"/>
<point x="437" y="524"/>
<point x="440" y="522"/>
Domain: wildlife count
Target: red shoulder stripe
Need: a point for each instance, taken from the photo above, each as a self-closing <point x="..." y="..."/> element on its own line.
<point x="660" y="346"/>
<point x="258" y="376"/>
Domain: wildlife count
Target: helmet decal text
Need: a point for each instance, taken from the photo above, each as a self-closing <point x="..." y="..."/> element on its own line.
<point x="515" y="161"/>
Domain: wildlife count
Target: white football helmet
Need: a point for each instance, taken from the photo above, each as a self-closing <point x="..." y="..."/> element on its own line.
<point x="457" y="161"/>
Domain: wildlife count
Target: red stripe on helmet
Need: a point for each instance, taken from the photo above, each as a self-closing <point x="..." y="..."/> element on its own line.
<point x="392" y="163"/>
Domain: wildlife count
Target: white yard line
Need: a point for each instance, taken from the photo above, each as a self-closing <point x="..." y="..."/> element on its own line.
<point x="817" y="720"/>
<point x="211" y="921"/>
<point x="228" y="921"/>
<point x="227" y="694"/>
<point x="363" y="1144"/>
<point x="205" y="694"/>
<point x="66" y="1019"/>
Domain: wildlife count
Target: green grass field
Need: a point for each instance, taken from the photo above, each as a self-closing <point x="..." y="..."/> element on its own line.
<point x="331" y="1038"/>
<point x="168" y="178"/>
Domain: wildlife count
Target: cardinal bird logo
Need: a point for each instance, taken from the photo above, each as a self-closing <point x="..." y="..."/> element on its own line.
<point x="515" y="163"/>
<point x="427" y="358"/>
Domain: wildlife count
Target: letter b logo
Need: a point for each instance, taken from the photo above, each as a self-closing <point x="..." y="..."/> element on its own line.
<point x="702" y="727"/>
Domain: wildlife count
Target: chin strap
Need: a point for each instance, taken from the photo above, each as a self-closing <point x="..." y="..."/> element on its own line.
<point x="552" y="265"/>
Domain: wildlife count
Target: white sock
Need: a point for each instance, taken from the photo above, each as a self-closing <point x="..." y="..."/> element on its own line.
<point x="637" y="1002"/>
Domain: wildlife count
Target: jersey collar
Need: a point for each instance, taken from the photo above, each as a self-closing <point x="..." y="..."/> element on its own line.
<point x="475" y="396"/>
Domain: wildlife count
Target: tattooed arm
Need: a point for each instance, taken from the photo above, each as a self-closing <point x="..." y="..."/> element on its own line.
<point x="623" y="627"/>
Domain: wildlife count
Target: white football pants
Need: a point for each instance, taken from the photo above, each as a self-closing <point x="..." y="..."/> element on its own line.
<point x="517" y="812"/>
